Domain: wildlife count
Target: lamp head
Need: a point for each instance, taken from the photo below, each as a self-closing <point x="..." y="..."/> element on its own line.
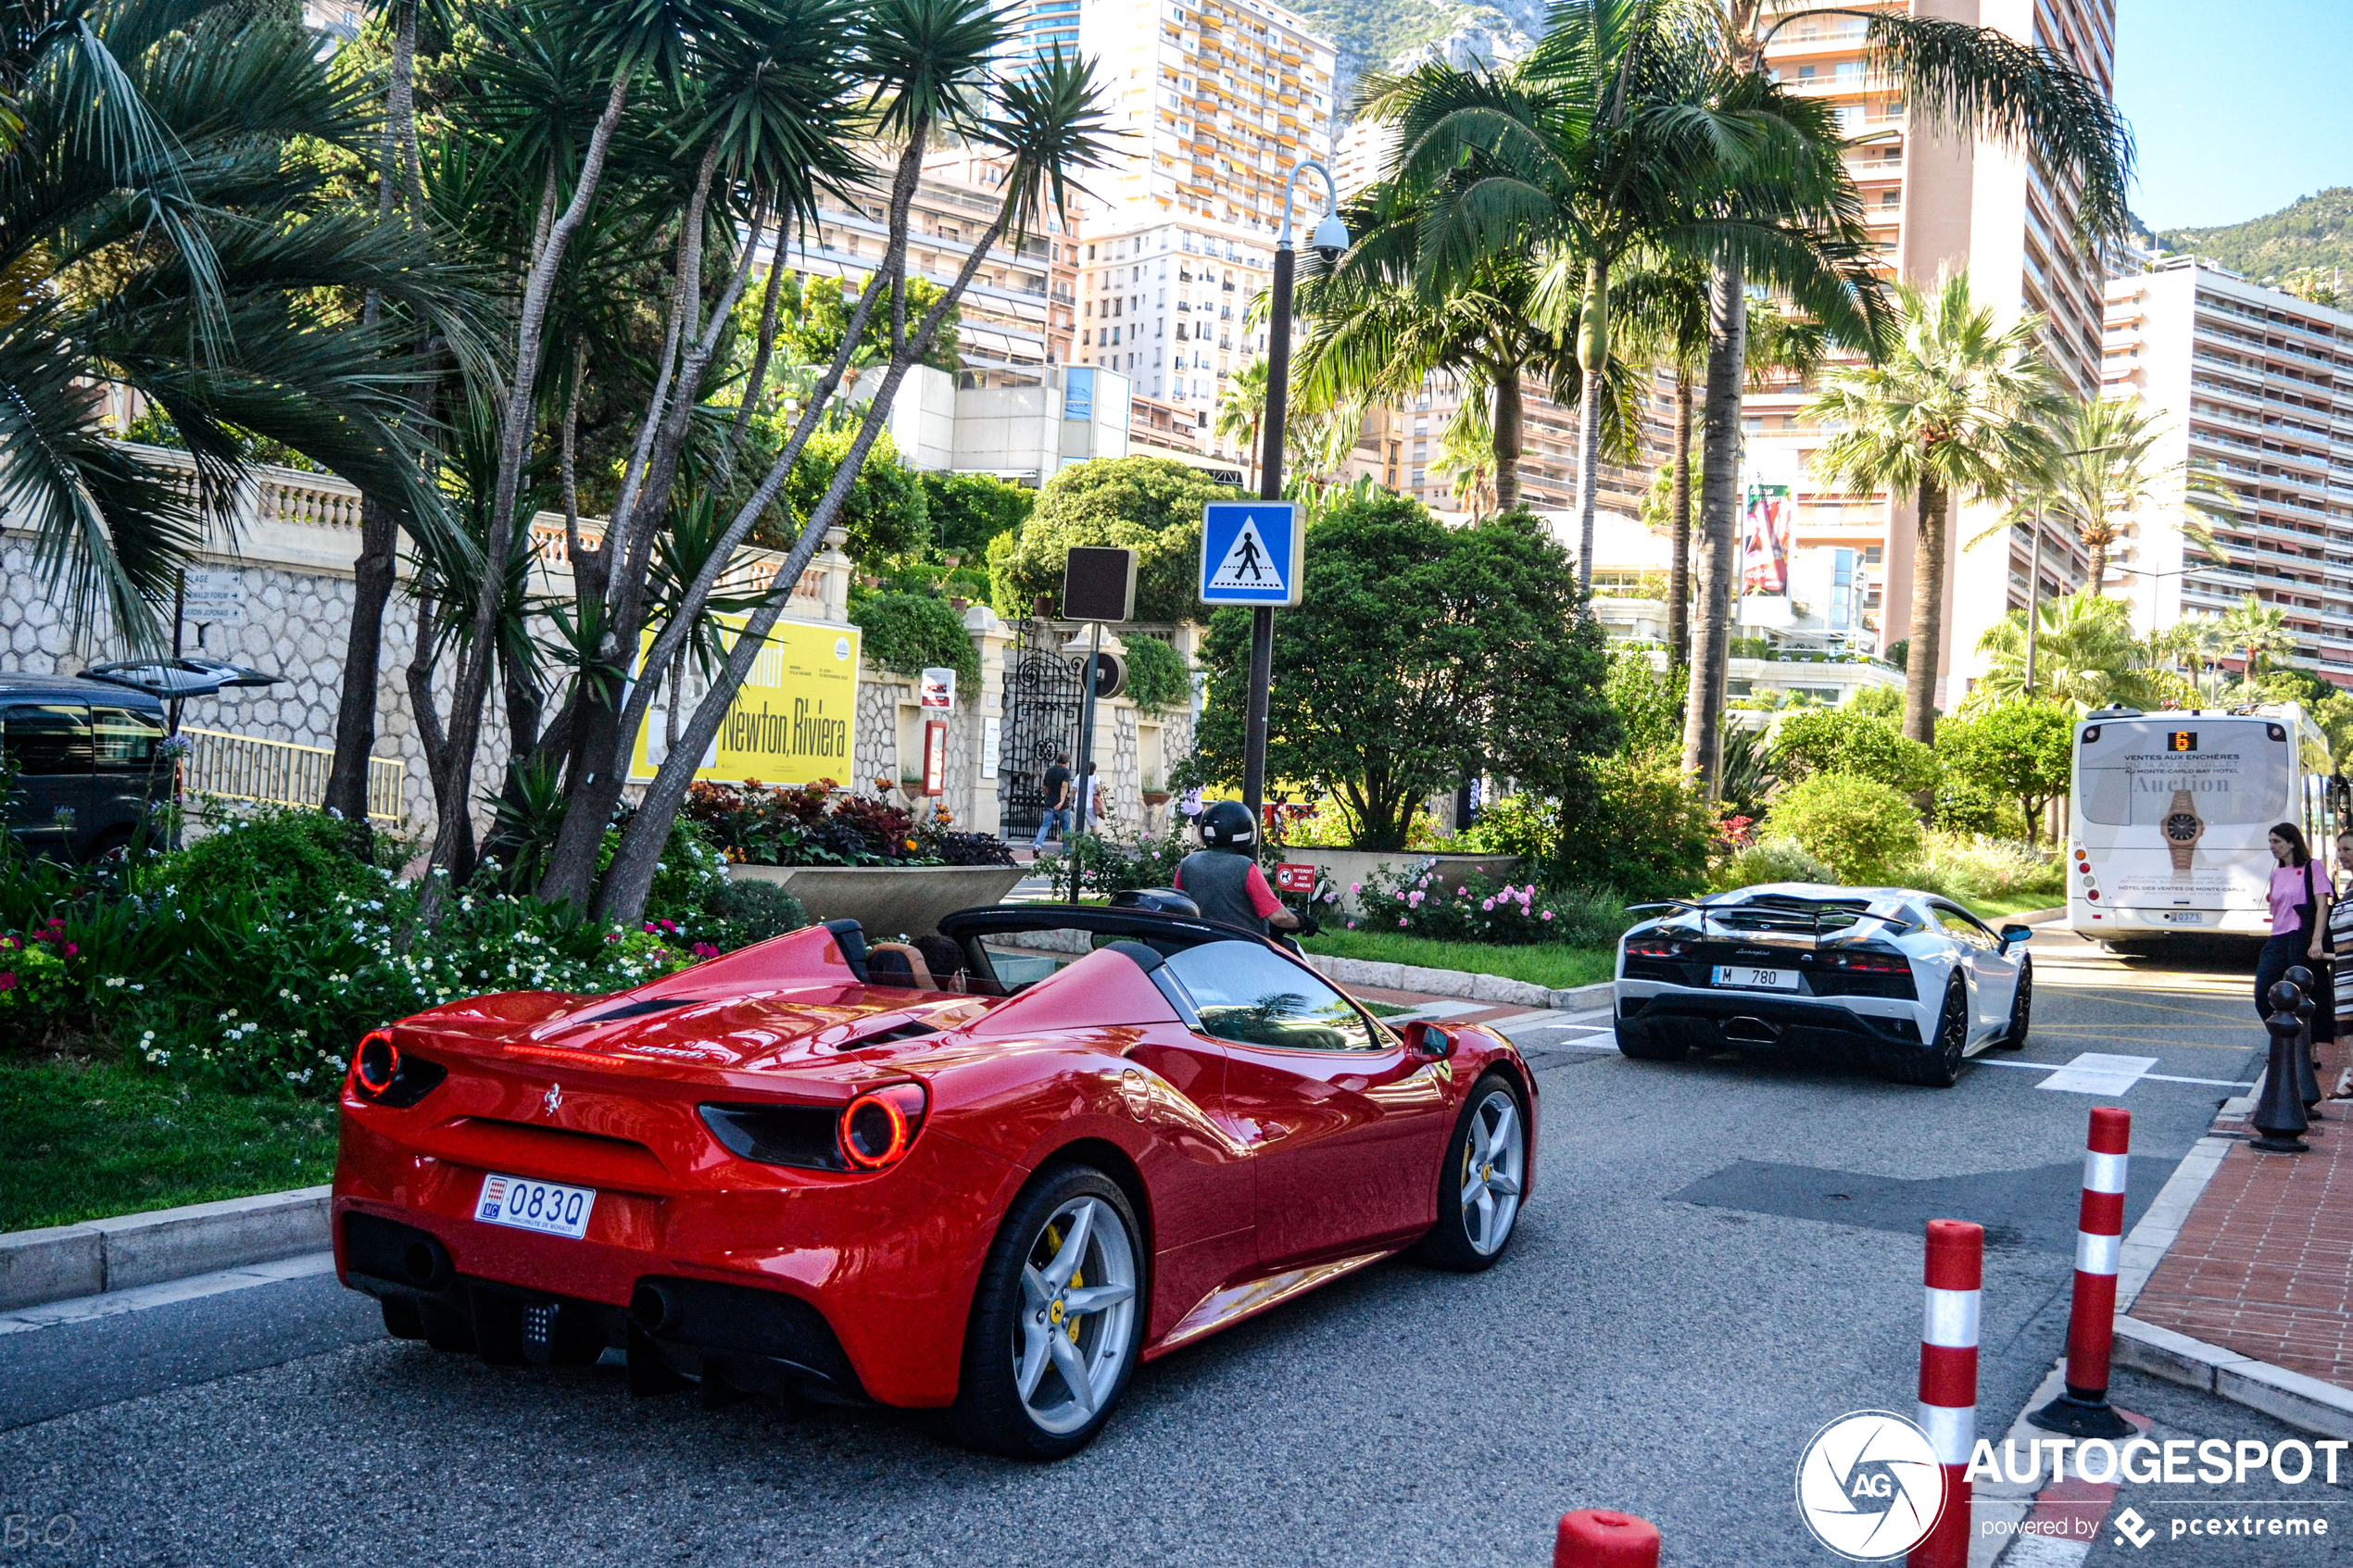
<point x="1330" y="239"/>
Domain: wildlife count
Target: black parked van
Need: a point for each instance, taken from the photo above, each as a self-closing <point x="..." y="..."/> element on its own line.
<point x="86" y="761"/>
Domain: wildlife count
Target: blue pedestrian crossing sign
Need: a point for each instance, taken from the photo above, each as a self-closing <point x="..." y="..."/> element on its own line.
<point x="1251" y="553"/>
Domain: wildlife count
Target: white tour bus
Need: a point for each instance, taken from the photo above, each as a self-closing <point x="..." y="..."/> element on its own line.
<point x="2170" y="816"/>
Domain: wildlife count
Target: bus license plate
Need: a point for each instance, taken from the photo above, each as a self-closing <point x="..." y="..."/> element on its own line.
<point x="2182" y="917"/>
<point x="1742" y="975"/>
<point x="548" y="1207"/>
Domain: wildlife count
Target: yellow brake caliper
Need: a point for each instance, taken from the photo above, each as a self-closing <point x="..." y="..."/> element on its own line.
<point x="1068" y="1323"/>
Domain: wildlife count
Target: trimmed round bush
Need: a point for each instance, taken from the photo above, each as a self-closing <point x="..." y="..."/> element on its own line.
<point x="1862" y="829"/>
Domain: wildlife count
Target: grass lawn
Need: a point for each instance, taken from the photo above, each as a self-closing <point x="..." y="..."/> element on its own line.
<point x="1993" y="912"/>
<point x="1558" y="967"/>
<point x="86" y="1142"/>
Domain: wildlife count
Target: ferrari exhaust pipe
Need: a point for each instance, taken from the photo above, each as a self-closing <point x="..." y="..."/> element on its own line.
<point x="656" y="1307"/>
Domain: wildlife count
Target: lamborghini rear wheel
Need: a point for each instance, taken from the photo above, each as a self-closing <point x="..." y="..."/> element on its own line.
<point x="1057" y="1320"/>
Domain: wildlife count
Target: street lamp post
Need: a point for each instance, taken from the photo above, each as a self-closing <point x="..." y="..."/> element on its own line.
<point x="1330" y="239"/>
<point x="2034" y="572"/>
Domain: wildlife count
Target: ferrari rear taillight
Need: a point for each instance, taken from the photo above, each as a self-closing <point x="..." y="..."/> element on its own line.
<point x="877" y="1127"/>
<point x="382" y="1074"/>
<point x="375" y="1064"/>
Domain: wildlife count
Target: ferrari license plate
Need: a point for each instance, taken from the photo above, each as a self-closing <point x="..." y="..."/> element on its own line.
<point x="1742" y="975"/>
<point x="547" y="1207"/>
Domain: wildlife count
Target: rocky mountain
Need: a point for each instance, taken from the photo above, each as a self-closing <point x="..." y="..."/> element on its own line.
<point x="1388" y="34"/>
<point x="2306" y="242"/>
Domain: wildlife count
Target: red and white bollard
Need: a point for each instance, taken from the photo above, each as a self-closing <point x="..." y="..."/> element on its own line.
<point x="1597" y="1537"/>
<point x="1948" y="1381"/>
<point x="2084" y="1410"/>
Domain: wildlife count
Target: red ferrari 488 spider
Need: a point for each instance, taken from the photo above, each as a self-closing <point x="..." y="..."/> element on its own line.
<point x="986" y="1175"/>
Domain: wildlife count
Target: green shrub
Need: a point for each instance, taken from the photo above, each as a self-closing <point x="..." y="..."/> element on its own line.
<point x="910" y="633"/>
<point x="1863" y="829"/>
<point x="291" y="859"/>
<point x="1158" y="677"/>
<point x="1967" y="866"/>
<point x="737" y="914"/>
<point x="1966" y="805"/>
<point x="1641" y="830"/>
<point x="1149" y="504"/>
<point x="1515" y="825"/>
<point x="1769" y="860"/>
<point x="1839" y="740"/>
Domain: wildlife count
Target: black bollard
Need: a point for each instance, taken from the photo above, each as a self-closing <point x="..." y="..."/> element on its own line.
<point x="2279" y="1115"/>
<point x="2307" y="1082"/>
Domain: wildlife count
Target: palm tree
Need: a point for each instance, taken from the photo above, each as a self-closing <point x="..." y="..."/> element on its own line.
<point x="928" y="68"/>
<point x="165" y="226"/>
<point x="1666" y="315"/>
<point x="1960" y="408"/>
<point x="1959" y="80"/>
<point x="1241" y="410"/>
<point x="1629" y="126"/>
<point x="2259" y="634"/>
<point x="2193" y="645"/>
<point x="2085" y="653"/>
<point x="1375" y="330"/>
<point x="2111" y="481"/>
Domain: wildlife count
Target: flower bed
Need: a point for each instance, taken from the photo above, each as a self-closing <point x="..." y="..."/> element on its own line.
<point x="254" y="957"/>
<point x="1429" y="900"/>
<point x="821" y="824"/>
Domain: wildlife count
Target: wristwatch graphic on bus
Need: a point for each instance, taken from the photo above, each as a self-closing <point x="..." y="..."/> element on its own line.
<point x="2183" y="828"/>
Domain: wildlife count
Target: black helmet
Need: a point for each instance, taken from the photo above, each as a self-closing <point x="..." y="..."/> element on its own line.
<point x="1228" y="825"/>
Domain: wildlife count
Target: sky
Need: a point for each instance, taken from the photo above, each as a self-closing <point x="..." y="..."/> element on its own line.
<point x="2239" y="106"/>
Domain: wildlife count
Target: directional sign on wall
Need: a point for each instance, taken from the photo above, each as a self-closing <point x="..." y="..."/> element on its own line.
<point x="1251" y="553"/>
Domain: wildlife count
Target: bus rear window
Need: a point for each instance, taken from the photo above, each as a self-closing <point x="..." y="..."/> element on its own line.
<point x="2236" y="773"/>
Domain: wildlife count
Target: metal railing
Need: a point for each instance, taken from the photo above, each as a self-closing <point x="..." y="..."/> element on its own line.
<point x="279" y="773"/>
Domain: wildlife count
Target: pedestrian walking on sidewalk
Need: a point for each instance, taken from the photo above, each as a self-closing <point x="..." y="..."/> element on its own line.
<point x="2341" y="936"/>
<point x="2301" y="894"/>
<point x="1056" y="789"/>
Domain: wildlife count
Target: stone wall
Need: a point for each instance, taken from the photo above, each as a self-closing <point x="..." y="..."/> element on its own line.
<point x="296" y="539"/>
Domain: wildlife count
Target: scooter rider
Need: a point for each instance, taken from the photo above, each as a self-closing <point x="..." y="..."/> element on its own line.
<point x="1223" y="877"/>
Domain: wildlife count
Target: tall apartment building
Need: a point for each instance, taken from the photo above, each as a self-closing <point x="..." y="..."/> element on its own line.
<point x="1165" y="303"/>
<point x="1216" y="101"/>
<point x="1021" y="309"/>
<point x="1941" y="205"/>
<point x="2257" y="386"/>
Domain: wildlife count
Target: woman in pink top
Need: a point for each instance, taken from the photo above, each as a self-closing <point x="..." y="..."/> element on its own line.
<point x="2300" y="896"/>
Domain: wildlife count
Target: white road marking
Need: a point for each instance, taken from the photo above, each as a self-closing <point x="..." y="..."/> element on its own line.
<point x="84" y="1309"/>
<point x="2093" y="1074"/>
<point x="2096" y="1073"/>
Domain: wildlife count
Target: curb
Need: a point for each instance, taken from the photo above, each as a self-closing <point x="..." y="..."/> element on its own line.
<point x="2303" y="1402"/>
<point x="59" y="1262"/>
<point x="2039" y="917"/>
<point x="1460" y="982"/>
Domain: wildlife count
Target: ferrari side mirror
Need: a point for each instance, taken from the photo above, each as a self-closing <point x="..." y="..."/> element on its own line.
<point x="2013" y="934"/>
<point x="1426" y="1039"/>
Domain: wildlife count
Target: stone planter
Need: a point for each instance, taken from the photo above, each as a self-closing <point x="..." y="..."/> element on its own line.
<point x="888" y="901"/>
<point x="1349" y="867"/>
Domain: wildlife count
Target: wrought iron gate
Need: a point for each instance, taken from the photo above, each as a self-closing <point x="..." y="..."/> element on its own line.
<point x="1042" y="700"/>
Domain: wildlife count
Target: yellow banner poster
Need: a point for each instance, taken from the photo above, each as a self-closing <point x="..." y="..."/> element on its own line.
<point x="794" y="720"/>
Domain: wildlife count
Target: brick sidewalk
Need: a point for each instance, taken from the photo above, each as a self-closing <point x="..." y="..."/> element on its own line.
<point x="2264" y="1263"/>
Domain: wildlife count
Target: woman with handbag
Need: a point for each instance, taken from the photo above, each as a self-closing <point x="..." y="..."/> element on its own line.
<point x="2300" y="895"/>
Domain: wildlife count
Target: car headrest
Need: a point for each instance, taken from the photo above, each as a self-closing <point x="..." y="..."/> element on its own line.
<point x="851" y="937"/>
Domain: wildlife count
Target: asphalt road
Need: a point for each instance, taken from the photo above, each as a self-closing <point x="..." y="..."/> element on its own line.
<point x="1721" y="1256"/>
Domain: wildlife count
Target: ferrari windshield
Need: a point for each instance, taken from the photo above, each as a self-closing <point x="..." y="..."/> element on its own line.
<point x="1250" y="995"/>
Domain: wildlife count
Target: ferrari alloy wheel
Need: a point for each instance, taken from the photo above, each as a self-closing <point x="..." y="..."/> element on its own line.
<point x="1057" y="1320"/>
<point x="1939" y="1066"/>
<point x="1486" y="1171"/>
<point x="2021" y="1008"/>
